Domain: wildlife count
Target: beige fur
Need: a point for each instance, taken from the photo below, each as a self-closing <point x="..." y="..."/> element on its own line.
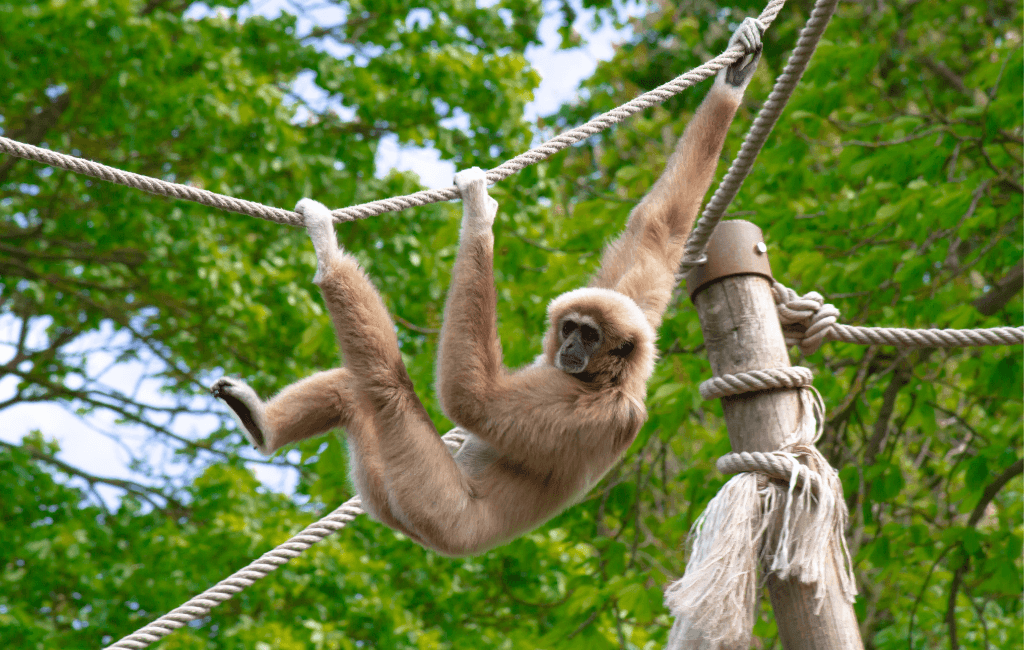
<point x="537" y="438"/>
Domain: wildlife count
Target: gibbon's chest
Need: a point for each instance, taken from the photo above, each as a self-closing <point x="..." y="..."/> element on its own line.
<point x="475" y="456"/>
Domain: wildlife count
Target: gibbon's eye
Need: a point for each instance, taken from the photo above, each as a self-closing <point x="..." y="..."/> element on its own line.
<point x="624" y="349"/>
<point x="589" y="334"/>
<point x="567" y="328"/>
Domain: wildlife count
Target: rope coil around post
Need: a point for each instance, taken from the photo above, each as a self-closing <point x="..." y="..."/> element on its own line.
<point x="792" y="524"/>
<point x="777" y="465"/>
<point x="748" y="382"/>
<point x="199" y="606"/>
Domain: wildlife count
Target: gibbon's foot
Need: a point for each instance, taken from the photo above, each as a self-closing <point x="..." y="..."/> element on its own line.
<point x="247" y="408"/>
<point x="320" y="226"/>
<point x="478" y="208"/>
<point x="748" y="34"/>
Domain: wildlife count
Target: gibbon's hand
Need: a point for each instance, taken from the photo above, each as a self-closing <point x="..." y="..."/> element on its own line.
<point x="748" y="34"/>
<point x="320" y="227"/>
<point x="478" y="208"/>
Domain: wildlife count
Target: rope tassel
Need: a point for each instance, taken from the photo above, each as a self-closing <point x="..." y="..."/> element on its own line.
<point x="713" y="602"/>
<point x="792" y="529"/>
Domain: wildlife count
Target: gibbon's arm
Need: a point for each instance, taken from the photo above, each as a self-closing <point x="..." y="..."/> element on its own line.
<point x="377" y="374"/>
<point x="469" y="362"/>
<point x="469" y="358"/>
<point x="643" y="261"/>
<point x="521" y="414"/>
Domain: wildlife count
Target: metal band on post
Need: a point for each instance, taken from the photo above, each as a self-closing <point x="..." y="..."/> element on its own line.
<point x="736" y="248"/>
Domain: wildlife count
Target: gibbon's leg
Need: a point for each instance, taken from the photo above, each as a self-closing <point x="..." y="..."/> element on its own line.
<point x="403" y="472"/>
<point x="642" y="263"/>
<point x="307" y="408"/>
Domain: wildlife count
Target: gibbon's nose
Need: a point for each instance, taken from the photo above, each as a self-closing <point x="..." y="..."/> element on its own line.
<point x="572" y="357"/>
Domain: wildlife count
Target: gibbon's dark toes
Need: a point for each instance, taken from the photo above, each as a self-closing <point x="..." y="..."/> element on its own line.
<point x="241" y="409"/>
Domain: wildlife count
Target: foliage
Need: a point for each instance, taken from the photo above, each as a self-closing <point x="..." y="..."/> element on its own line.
<point x="892" y="185"/>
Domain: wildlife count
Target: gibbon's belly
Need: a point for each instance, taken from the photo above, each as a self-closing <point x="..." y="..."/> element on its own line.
<point x="521" y="497"/>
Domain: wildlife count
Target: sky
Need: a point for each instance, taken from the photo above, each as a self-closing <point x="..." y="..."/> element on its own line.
<point x="89" y="445"/>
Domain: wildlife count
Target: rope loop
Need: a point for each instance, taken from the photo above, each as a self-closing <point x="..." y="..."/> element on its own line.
<point x="806" y="319"/>
<point x="777" y="464"/>
<point x="746" y="382"/>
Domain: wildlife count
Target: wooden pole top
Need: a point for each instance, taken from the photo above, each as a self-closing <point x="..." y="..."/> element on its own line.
<point x="736" y="248"/>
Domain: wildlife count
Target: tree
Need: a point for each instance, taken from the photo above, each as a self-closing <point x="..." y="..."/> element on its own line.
<point x="892" y="185"/>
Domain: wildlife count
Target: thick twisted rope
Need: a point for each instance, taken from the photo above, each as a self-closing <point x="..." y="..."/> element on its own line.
<point x="808" y="321"/>
<point x="200" y="605"/>
<point x="746" y="382"/>
<point x="364" y="210"/>
<point x="763" y="124"/>
<point x="779" y="465"/>
<point x="147" y="184"/>
<point x="931" y="338"/>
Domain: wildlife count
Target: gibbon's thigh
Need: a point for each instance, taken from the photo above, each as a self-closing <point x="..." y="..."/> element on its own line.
<point x="426" y="489"/>
<point x="309" y="407"/>
<point x="369" y="475"/>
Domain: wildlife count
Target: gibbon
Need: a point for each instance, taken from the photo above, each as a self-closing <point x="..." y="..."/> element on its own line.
<point x="537" y="438"/>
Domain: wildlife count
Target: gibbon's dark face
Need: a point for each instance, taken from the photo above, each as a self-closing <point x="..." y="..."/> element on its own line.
<point x="581" y="338"/>
<point x="600" y="337"/>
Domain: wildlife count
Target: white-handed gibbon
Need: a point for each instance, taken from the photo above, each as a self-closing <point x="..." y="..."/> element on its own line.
<point x="538" y="438"/>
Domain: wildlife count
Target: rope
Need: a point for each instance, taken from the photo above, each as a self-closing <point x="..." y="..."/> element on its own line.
<point x="780" y="465"/>
<point x="931" y="338"/>
<point x="746" y="382"/>
<point x="147" y="184"/>
<point x="395" y="204"/>
<point x="200" y="605"/>
<point x="763" y="124"/>
<point x="808" y="321"/>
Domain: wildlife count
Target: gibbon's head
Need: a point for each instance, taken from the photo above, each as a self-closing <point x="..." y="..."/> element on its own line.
<point x="599" y="336"/>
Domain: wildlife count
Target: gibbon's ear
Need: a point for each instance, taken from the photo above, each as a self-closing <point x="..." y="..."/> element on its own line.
<point x="624" y="349"/>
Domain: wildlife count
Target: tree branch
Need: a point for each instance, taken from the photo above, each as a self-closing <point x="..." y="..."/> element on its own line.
<point x="142" y="491"/>
<point x="1004" y="291"/>
<point x="416" y="328"/>
<point x="992" y="489"/>
<point x="990" y="492"/>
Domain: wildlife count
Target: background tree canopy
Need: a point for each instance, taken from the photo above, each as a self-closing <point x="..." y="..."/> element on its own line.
<point x="892" y="185"/>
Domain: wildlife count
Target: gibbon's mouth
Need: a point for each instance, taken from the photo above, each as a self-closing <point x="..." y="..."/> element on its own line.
<point x="571" y="363"/>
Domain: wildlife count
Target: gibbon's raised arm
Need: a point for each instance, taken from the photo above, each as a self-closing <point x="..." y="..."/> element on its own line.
<point x="474" y="387"/>
<point x="643" y="261"/>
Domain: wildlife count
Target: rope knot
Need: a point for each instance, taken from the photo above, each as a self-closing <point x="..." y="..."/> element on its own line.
<point x="806" y="319"/>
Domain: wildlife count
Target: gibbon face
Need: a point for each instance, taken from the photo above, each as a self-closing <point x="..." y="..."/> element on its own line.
<point x="599" y="336"/>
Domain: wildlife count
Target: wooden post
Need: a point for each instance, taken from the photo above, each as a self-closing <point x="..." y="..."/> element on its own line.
<point x="742" y="333"/>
